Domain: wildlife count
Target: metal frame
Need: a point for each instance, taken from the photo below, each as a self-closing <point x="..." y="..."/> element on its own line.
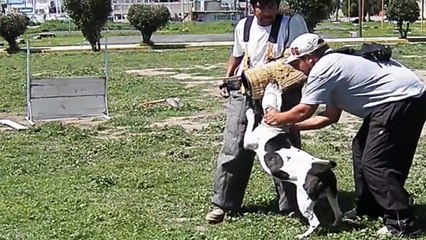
<point x="29" y="79"/>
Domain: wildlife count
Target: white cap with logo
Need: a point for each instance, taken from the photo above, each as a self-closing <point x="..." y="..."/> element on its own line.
<point x="304" y="45"/>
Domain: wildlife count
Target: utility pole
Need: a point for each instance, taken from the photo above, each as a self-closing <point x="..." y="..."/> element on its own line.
<point x="383" y="11"/>
<point x="360" y="17"/>
<point x="349" y="10"/>
<point x="422" y="17"/>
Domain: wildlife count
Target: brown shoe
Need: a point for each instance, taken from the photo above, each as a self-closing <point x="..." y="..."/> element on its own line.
<point x="216" y="215"/>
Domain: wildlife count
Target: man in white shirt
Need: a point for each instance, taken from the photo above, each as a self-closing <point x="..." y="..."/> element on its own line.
<point x="255" y="44"/>
<point x="392" y="101"/>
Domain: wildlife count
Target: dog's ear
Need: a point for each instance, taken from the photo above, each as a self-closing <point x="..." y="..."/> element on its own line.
<point x="319" y="166"/>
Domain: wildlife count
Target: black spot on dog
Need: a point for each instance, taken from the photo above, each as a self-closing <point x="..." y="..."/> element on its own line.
<point x="278" y="142"/>
<point x="281" y="175"/>
<point x="274" y="162"/>
<point x="319" y="178"/>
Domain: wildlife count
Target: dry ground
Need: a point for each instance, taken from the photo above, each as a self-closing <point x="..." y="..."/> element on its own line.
<point x="190" y="78"/>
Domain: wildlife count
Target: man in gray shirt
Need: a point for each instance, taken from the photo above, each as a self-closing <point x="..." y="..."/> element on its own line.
<point x="392" y="101"/>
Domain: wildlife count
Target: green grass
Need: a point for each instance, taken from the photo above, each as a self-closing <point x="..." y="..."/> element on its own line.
<point x="370" y="29"/>
<point x="62" y="181"/>
<point x="171" y="28"/>
<point x="71" y="39"/>
<point x="327" y="29"/>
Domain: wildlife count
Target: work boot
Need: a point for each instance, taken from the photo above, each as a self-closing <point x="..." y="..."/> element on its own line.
<point x="216" y="215"/>
<point x="351" y="215"/>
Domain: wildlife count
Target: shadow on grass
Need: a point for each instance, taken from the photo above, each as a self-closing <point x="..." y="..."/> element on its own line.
<point x="326" y="216"/>
<point x="420" y="210"/>
<point x="154" y="45"/>
<point x="168" y="46"/>
<point x="322" y="210"/>
<point x="24" y="50"/>
<point x="346" y="201"/>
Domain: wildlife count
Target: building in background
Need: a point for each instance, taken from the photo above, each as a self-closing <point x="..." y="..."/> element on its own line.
<point x="182" y="10"/>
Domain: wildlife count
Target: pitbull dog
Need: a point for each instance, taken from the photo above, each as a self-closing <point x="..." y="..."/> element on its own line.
<point x="313" y="177"/>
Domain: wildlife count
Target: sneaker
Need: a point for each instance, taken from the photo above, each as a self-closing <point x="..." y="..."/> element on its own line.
<point x="390" y="231"/>
<point x="351" y="215"/>
<point x="384" y="231"/>
<point x="216" y="215"/>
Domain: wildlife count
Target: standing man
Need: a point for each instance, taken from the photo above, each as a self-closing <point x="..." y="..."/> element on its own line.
<point x="392" y="101"/>
<point x="258" y="39"/>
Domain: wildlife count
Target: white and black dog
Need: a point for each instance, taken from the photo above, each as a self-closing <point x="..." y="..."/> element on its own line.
<point x="313" y="177"/>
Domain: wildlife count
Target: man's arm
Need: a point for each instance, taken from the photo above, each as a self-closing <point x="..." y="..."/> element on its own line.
<point x="329" y="116"/>
<point x="237" y="49"/>
<point x="233" y="63"/>
<point x="297" y="114"/>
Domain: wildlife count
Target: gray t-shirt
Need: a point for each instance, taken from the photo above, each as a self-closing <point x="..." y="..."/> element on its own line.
<point x="357" y="85"/>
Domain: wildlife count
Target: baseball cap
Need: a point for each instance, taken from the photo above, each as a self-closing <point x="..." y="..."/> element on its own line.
<point x="303" y="45"/>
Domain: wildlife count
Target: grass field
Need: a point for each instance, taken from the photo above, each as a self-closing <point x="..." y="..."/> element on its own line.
<point x="128" y="179"/>
<point x="327" y="29"/>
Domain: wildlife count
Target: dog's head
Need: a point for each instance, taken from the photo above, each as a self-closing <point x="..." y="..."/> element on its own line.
<point x="272" y="97"/>
<point x="318" y="178"/>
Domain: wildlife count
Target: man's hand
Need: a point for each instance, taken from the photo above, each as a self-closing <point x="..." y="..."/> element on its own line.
<point x="297" y="114"/>
<point x="272" y="117"/>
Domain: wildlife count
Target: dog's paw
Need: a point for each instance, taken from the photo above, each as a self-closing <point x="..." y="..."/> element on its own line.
<point x="272" y="97"/>
<point x="273" y="88"/>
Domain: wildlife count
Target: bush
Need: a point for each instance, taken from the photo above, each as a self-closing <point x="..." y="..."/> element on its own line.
<point x="90" y="16"/>
<point x="401" y="11"/>
<point x="313" y="11"/>
<point x="12" y="25"/>
<point x="148" y="19"/>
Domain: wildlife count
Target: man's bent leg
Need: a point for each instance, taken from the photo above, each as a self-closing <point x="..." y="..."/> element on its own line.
<point x="393" y="135"/>
<point x="365" y="204"/>
<point x="234" y="163"/>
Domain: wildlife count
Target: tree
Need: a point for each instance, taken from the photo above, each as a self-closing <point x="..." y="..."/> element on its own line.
<point x="313" y="11"/>
<point x="148" y="19"/>
<point x="336" y="7"/>
<point x="12" y="25"/>
<point x="90" y="16"/>
<point x="353" y="9"/>
<point x="401" y="11"/>
<point x="371" y="7"/>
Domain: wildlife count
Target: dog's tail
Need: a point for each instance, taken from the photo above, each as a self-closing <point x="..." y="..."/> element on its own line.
<point x="332" y="164"/>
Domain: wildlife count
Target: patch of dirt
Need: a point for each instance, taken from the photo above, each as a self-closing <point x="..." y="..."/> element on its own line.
<point x="83" y="123"/>
<point x="150" y="72"/>
<point x="184" y="76"/>
<point x="192" y="79"/>
<point x="189" y="123"/>
<point x="421" y="74"/>
<point x="12" y="117"/>
<point x="114" y="133"/>
<point x="412" y="56"/>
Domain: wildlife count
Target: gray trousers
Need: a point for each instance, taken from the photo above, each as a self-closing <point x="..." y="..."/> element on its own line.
<point x="234" y="163"/>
